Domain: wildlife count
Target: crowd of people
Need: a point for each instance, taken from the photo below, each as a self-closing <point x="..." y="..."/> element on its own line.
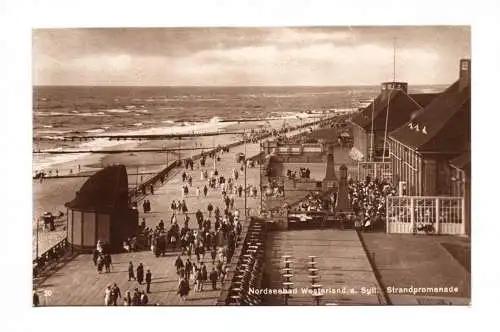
<point x="315" y="202"/>
<point x="304" y="173"/>
<point x="213" y="240"/>
<point x="368" y="200"/>
<point x="274" y="189"/>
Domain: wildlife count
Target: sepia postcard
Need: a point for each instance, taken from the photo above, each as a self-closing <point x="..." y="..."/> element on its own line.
<point x="251" y="166"/>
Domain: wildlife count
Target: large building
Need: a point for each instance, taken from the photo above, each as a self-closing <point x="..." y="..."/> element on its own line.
<point x="391" y="109"/>
<point x="436" y="137"/>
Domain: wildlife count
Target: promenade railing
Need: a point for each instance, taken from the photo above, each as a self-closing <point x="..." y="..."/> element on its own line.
<point x="51" y="257"/>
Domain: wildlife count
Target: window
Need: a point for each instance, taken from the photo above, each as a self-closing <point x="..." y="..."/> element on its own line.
<point x="465" y="65"/>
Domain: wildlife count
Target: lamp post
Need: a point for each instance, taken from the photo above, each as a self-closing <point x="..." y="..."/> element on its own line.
<point x="37" y="226"/>
<point x="245" y="161"/>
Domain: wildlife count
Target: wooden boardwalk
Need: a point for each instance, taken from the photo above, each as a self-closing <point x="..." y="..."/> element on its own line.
<point x="79" y="283"/>
<point x="345" y="274"/>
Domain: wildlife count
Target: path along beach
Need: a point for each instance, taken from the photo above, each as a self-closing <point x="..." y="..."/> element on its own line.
<point x="50" y="195"/>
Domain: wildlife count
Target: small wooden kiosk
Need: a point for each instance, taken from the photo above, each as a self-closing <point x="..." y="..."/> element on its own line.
<point x="100" y="211"/>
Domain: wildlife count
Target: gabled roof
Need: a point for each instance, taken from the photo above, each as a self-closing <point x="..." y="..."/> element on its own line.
<point x="401" y="107"/>
<point x="105" y="191"/>
<point x="426" y="131"/>
<point x="377" y="106"/>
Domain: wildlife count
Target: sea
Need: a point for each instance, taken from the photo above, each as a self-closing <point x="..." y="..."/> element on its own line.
<point x="60" y="111"/>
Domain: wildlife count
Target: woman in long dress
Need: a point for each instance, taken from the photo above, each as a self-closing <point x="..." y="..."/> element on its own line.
<point x="107" y="296"/>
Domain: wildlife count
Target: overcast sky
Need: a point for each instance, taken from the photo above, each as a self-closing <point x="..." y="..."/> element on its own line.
<point x="248" y="56"/>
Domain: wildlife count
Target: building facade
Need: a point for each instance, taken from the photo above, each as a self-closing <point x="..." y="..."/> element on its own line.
<point x="421" y="150"/>
<point x="391" y="109"/>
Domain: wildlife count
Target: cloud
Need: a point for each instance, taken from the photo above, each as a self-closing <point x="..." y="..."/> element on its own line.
<point x="288" y="56"/>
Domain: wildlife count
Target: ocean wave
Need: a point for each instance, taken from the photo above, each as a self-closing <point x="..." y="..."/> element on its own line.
<point x="168" y="121"/>
<point x="51" y="137"/>
<point x="52" y="132"/>
<point x="143" y="111"/>
<point x="92" y="114"/>
<point x="95" y="131"/>
<point x="118" y="111"/>
<point x="130" y="107"/>
<point x="51" y="114"/>
<point x="51" y="161"/>
<point x="138" y="124"/>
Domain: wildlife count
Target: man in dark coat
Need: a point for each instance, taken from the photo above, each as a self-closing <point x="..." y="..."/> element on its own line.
<point x="107" y="262"/>
<point x="115" y="294"/>
<point x="136" y="298"/>
<point x="213" y="278"/>
<point x="204" y="274"/>
<point x="178" y="263"/>
<point x="36" y="299"/>
<point x="188" y="268"/>
<point x="148" y="281"/>
<point x="210" y="208"/>
<point x="183" y="288"/>
<point x="140" y="274"/>
<point x="131" y="271"/>
<point x="205" y="190"/>
<point x="199" y="218"/>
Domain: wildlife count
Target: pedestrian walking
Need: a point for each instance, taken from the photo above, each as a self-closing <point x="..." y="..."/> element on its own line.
<point x="210" y="208"/>
<point x="107" y="296"/>
<point x="204" y="274"/>
<point x="100" y="263"/>
<point x="199" y="281"/>
<point x="213" y="253"/>
<point x="115" y="294"/>
<point x="131" y="271"/>
<point x="36" y="299"/>
<point x="127" y="300"/>
<point x="213" y="278"/>
<point x="183" y="289"/>
<point x="140" y="273"/>
<point x="178" y="263"/>
<point x="148" y="281"/>
<point x="107" y="262"/>
<point x="136" y="298"/>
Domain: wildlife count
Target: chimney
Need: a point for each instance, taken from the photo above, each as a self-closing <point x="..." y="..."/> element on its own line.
<point x="464" y="75"/>
<point x="386" y="87"/>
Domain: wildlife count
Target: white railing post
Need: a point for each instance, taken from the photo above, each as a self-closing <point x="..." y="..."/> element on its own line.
<point x="375" y="170"/>
<point x="437" y="215"/>
<point x="412" y="216"/>
<point x="463" y="216"/>
<point x="387" y="214"/>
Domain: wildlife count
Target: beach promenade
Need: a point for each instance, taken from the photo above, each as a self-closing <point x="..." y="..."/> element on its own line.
<point x="79" y="283"/>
